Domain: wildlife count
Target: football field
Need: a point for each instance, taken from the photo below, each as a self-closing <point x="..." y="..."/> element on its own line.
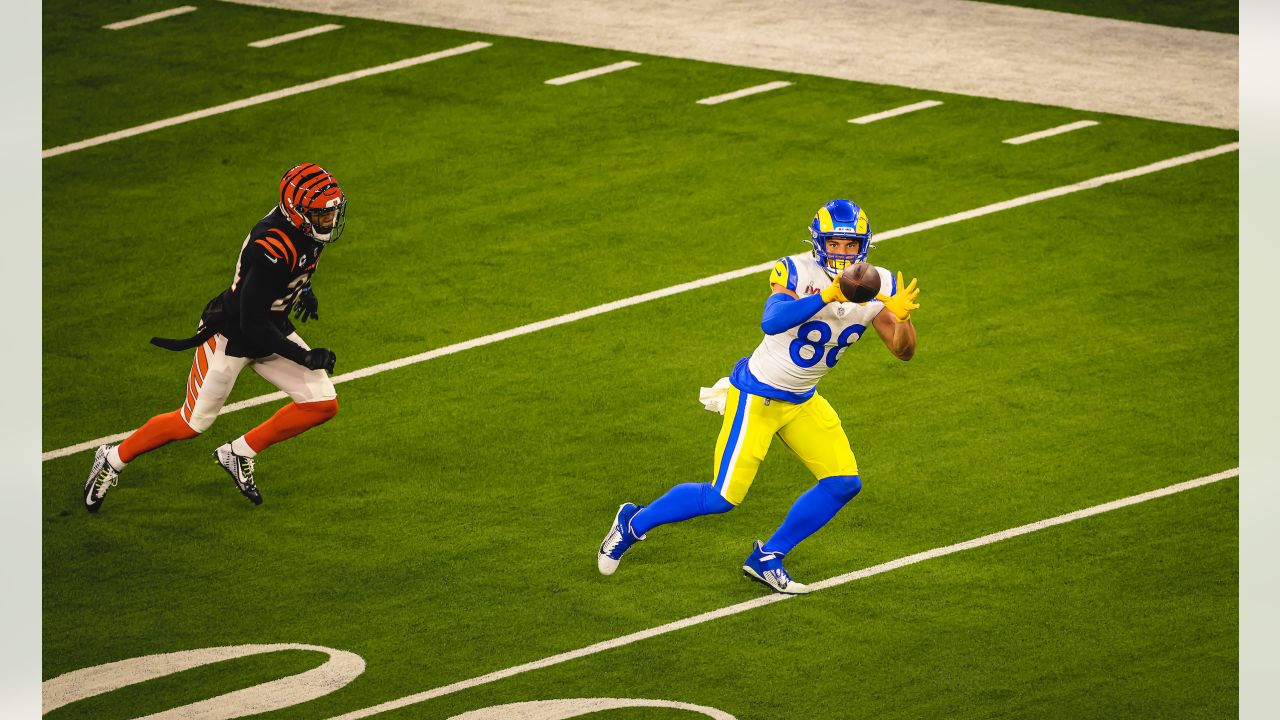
<point x="535" y="280"/>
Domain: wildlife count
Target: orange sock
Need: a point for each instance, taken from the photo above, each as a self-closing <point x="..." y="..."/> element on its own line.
<point x="159" y="430"/>
<point x="288" y="421"/>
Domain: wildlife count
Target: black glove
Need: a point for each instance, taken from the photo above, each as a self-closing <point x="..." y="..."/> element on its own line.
<point x="307" y="305"/>
<point x="320" y="359"/>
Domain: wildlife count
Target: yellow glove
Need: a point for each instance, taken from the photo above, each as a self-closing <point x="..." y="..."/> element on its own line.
<point x="902" y="302"/>
<point x="833" y="293"/>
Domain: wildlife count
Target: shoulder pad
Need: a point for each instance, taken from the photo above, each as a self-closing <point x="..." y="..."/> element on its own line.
<point x="784" y="274"/>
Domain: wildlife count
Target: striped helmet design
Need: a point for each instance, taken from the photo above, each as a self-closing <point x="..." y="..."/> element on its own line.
<point x="307" y="193"/>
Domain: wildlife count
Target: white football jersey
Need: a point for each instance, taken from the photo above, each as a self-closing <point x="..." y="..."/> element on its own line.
<point x="795" y="360"/>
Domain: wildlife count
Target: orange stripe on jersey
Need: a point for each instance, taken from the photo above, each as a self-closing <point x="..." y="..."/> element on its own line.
<point x="269" y="248"/>
<point x="279" y="246"/>
<point x="290" y="250"/>
<point x="293" y="251"/>
<point x="286" y="249"/>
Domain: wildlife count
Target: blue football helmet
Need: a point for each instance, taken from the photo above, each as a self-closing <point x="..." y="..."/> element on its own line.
<point x="842" y="219"/>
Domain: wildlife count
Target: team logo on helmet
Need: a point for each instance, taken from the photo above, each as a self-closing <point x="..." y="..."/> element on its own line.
<point x="312" y="201"/>
<point x="840" y="219"/>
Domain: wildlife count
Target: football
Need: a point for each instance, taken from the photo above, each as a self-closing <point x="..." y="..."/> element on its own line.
<point x="860" y="282"/>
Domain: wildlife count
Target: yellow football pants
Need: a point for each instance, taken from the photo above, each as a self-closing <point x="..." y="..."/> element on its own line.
<point x="811" y="430"/>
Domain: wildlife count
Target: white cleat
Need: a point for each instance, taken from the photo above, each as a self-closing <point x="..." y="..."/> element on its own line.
<point x="240" y="468"/>
<point x="102" y="477"/>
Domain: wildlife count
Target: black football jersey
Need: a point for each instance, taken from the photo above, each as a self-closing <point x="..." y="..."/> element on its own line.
<point x="276" y="261"/>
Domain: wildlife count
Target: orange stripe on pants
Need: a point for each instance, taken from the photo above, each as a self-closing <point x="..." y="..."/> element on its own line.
<point x="199" y="367"/>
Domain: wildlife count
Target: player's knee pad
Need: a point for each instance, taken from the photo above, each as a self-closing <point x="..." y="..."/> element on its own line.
<point x="713" y="501"/>
<point x="842" y="487"/>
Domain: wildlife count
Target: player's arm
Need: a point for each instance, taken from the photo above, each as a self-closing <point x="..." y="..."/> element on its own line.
<point x="258" y="291"/>
<point x="898" y="336"/>
<point x="784" y="309"/>
<point x="307" y="305"/>
<point x="893" y="323"/>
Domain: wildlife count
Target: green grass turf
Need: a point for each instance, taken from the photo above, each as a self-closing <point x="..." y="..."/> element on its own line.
<point x="443" y="525"/>
<point x="508" y="178"/>
<point x="100" y="81"/>
<point x="1087" y="620"/>
<point x="1215" y="15"/>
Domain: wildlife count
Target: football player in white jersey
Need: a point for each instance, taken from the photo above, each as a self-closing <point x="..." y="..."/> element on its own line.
<point x="808" y="325"/>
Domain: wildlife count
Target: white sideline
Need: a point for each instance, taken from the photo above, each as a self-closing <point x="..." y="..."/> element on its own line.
<point x="575" y="77"/>
<point x="922" y="105"/>
<point x="290" y="37"/>
<point x="692" y="285"/>
<point x="182" y="10"/>
<point x="770" y="599"/>
<point x="744" y="92"/>
<point x="265" y="97"/>
<point x="1029" y="137"/>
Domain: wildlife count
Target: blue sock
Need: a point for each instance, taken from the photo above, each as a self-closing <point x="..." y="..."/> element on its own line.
<point x="812" y="510"/>
<point x="681" y="502"/>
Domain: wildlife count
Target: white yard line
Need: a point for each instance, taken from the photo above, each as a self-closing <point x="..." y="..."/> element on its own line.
<point x="265" y="97"/>
<point x="593" y="72"/>
<point x="693" y="285"/>
<point x="770" y="599"/>
<point x="744" y="92"/>
<point x="949" y="46"/>
<point x="1051" y="132"/>
<point x="925" y="104"/>
<point x="1064" y="190"/>
<point x="289" y="37"/>
<point x="183" y="10"/>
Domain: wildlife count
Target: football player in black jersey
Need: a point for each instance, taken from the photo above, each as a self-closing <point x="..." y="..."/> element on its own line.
<point x="248" y="325"/>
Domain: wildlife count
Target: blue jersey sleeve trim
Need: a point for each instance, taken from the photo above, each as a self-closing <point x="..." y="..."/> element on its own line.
<point x="742" y="379"/>
<point x="782" y="312"/>
<point x="792" y="279"/>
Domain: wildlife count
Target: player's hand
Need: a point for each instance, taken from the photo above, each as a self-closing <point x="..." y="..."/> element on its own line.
<point x="902" y="302"/>
<point x="833" y="293"/>
<point x="307" y="306"/>
<point x="320" y="359"/>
